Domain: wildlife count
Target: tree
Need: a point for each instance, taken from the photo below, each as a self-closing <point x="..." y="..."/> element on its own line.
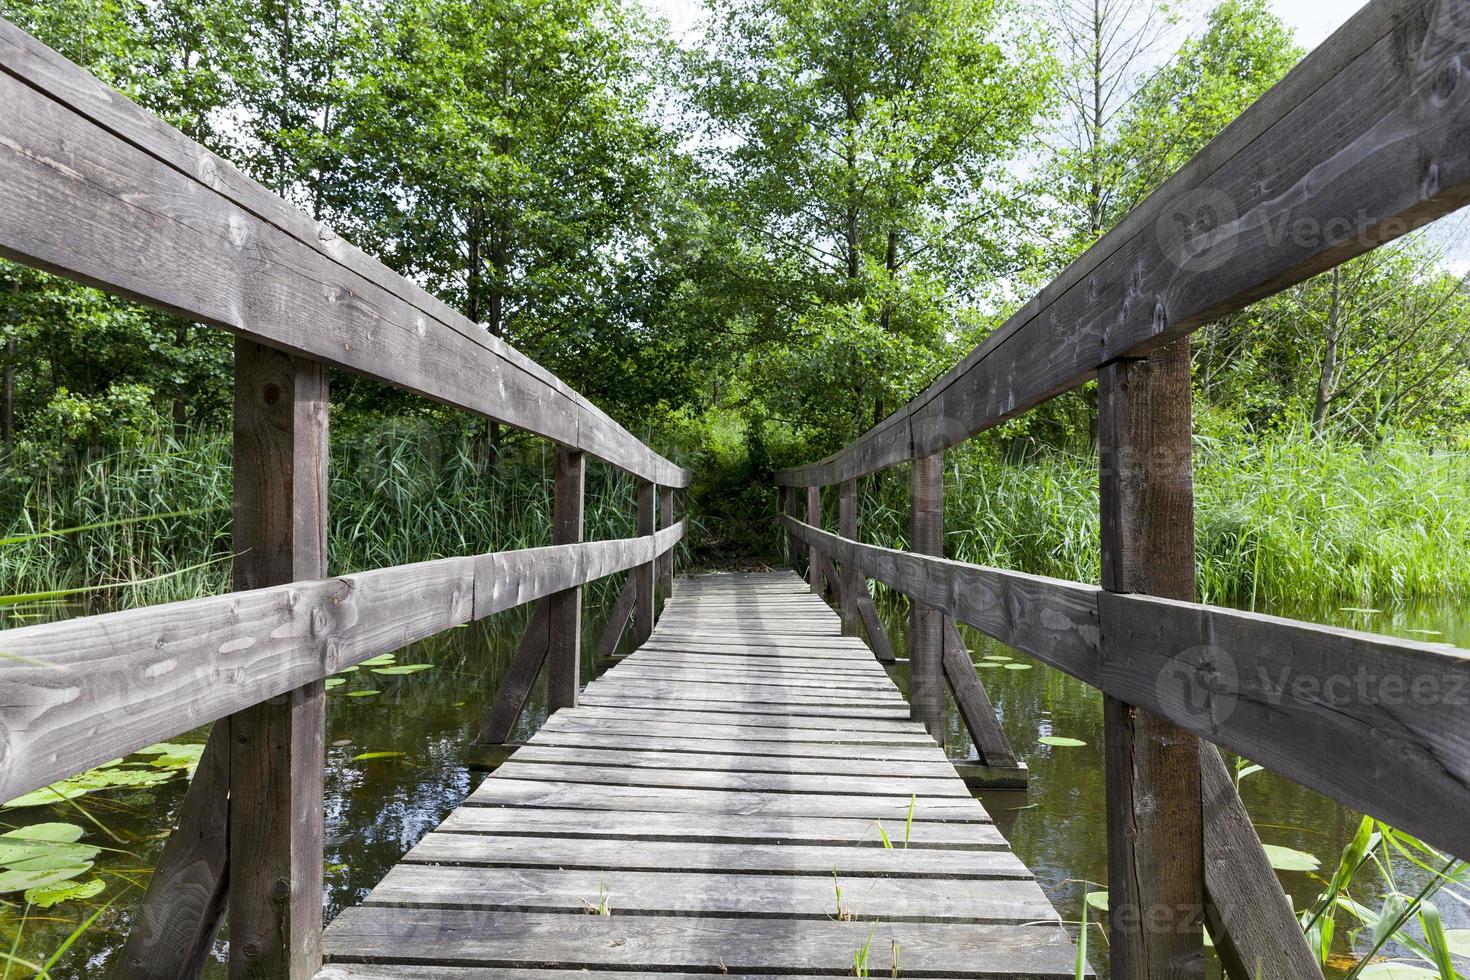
<point x="862" y="150"/>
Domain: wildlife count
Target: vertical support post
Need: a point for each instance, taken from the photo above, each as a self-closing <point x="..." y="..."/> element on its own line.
<point x="277" y="747"/>
<point x="926" y="624"/>
<point x="564" y="609"/>
<point x="643" y="574"/>
<point x="814" y="518"/>
<point x="666" y="563"/>
<point x="1154" y="811"/>
<point x="852" y="582"/>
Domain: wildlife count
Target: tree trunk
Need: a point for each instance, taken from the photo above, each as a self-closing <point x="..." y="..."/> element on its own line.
<point x="1327" y="378"/>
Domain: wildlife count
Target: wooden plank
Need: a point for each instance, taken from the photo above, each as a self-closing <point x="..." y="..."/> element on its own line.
<point x="814" y="518"/>
<point x="447" y="937"/>
<point x="1156" y="895"/>
<point x="755" y="782"/>
<point x="403" y="971"/>
<point x="666" y="562"/>
<point x="564" y="609"/>
<point x="617" y="622"/>
<point x="1346" y="163"/>
<point x="278" y="747"/>
<point x="173" y="930"/>
<point x="643" y="723"/>
<point x="724" y="711"/>
<point x="1053" y="620"/>
<point x="793" y="897"/>
<point x="1288" y="695"/>
<point x="1249" y="915"/>
<point x="759" y="748"/>
<point x="575" y="796"/>
<point x="790" y="668"/>
<point x="730" y="828"/>
<point x="852" y="582"/>
<point x="108" y="194"/>
<point x="635" y="671"/>
<point x="643" y="604"/>
<point x="973" y="702"/>
<point x="873" y="626"/>
<point x="519" y="679"/>
<point x="750" y="690"/>
<point x="709" y="760"/>
<point x="154" y="672"/>
<point x="926" y="635"/>
<point x="817" y="860"/>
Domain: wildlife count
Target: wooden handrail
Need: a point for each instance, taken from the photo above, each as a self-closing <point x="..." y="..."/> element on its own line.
<point x="1278" y="691"/>
<point x="79" y="692"/>
<point x="1324" y="167"/>
<point x="100" y="190"/>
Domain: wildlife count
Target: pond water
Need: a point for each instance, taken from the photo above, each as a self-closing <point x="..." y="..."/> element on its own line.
<point x="377" y="808"/>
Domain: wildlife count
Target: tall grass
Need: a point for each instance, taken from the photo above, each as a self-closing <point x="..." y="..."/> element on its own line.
<point x="1278" y="520"/>
<point x="399" y="493"/>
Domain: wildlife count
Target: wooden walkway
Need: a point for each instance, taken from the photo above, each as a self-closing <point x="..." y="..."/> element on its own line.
<point x="719" y="795"/>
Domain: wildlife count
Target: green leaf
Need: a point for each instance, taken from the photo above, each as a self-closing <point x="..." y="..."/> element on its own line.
<point x="403" y="669"/>
<point x="1098" y="900"/>
<point x="1061" y="741"/>
<point x="1018" y="666"/>
<point x="1397" y="971"/>
<point x="363" y="757"/>
<point x="46" y="896"/>
<point x="363" y="694"/>
<point x="1459" y="941"/>
<point x="1288" y="859"/>
<point x="15" y="880"/>
<point x="381" y="661"/>
<point x="332" y="682"/>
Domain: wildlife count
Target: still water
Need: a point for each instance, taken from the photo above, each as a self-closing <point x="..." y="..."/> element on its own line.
<point x="377" y="808"/>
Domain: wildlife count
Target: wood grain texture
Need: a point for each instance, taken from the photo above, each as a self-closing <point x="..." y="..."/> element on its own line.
<point x="453" y="937"/>
<point x="106" y="193"/>
<point x="852" y="581"/>
<point x="174" y="927"/>
<point x="1249" y="915"/>
<point x="926" y="633"/>
<point x="814" y="518"/>
<point x="1362" y="142"/>
<point x="666" y="561"/>
<point x="1053" y="620"/>
<point x="1155" y="835"/>
<point x="644" y="604"/>
<point x="143" y="675"/>
<point x="277" y="746"/>
<point x="519" y="678"/>
<point x="617" y="622"/>
<point x="973" y="702"/>
<point x="564" y="608"/>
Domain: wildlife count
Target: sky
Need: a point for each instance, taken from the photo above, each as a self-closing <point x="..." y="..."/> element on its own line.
<point x="1313" y="20"/>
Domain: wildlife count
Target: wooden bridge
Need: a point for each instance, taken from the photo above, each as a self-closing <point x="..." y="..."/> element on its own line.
<point x="706" y="790"/>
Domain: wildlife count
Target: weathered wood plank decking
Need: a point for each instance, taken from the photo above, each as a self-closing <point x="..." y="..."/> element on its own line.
<point x="714" y="791"/>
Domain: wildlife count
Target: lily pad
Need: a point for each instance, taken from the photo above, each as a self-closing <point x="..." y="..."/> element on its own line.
<point x="984" y="663"/>
<point x="1397" y="971"/>
<point x="365" y="756"/>
<point x="332" y="682"/>
<point x="1098" y="900"/>
<point x="1018" y="666"/>
<point x="1288" y="859"/>
<point x="46" y="896"/>
<point x="18" y="880"/>
<point x="381" y="661"/>
<point x="403" y="669"/>
<point x="1459" y="941"/>
<point x="363" y="694"/>
<point x="1061" y="741"/>
<point x="25" y="845"/>
<point x="998" y="658"/>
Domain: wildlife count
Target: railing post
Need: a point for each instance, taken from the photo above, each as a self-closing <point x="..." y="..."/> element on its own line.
<point x="1154" y="813"/>
<point x="814" y="518"/>
<point x="643" y="605"/>
<point x="277" y="747"/>
<point x="564" y="612"/>
<point x="926" y="624"/>
<point x="666" y="563"/>
<point x="852" y="581"/>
